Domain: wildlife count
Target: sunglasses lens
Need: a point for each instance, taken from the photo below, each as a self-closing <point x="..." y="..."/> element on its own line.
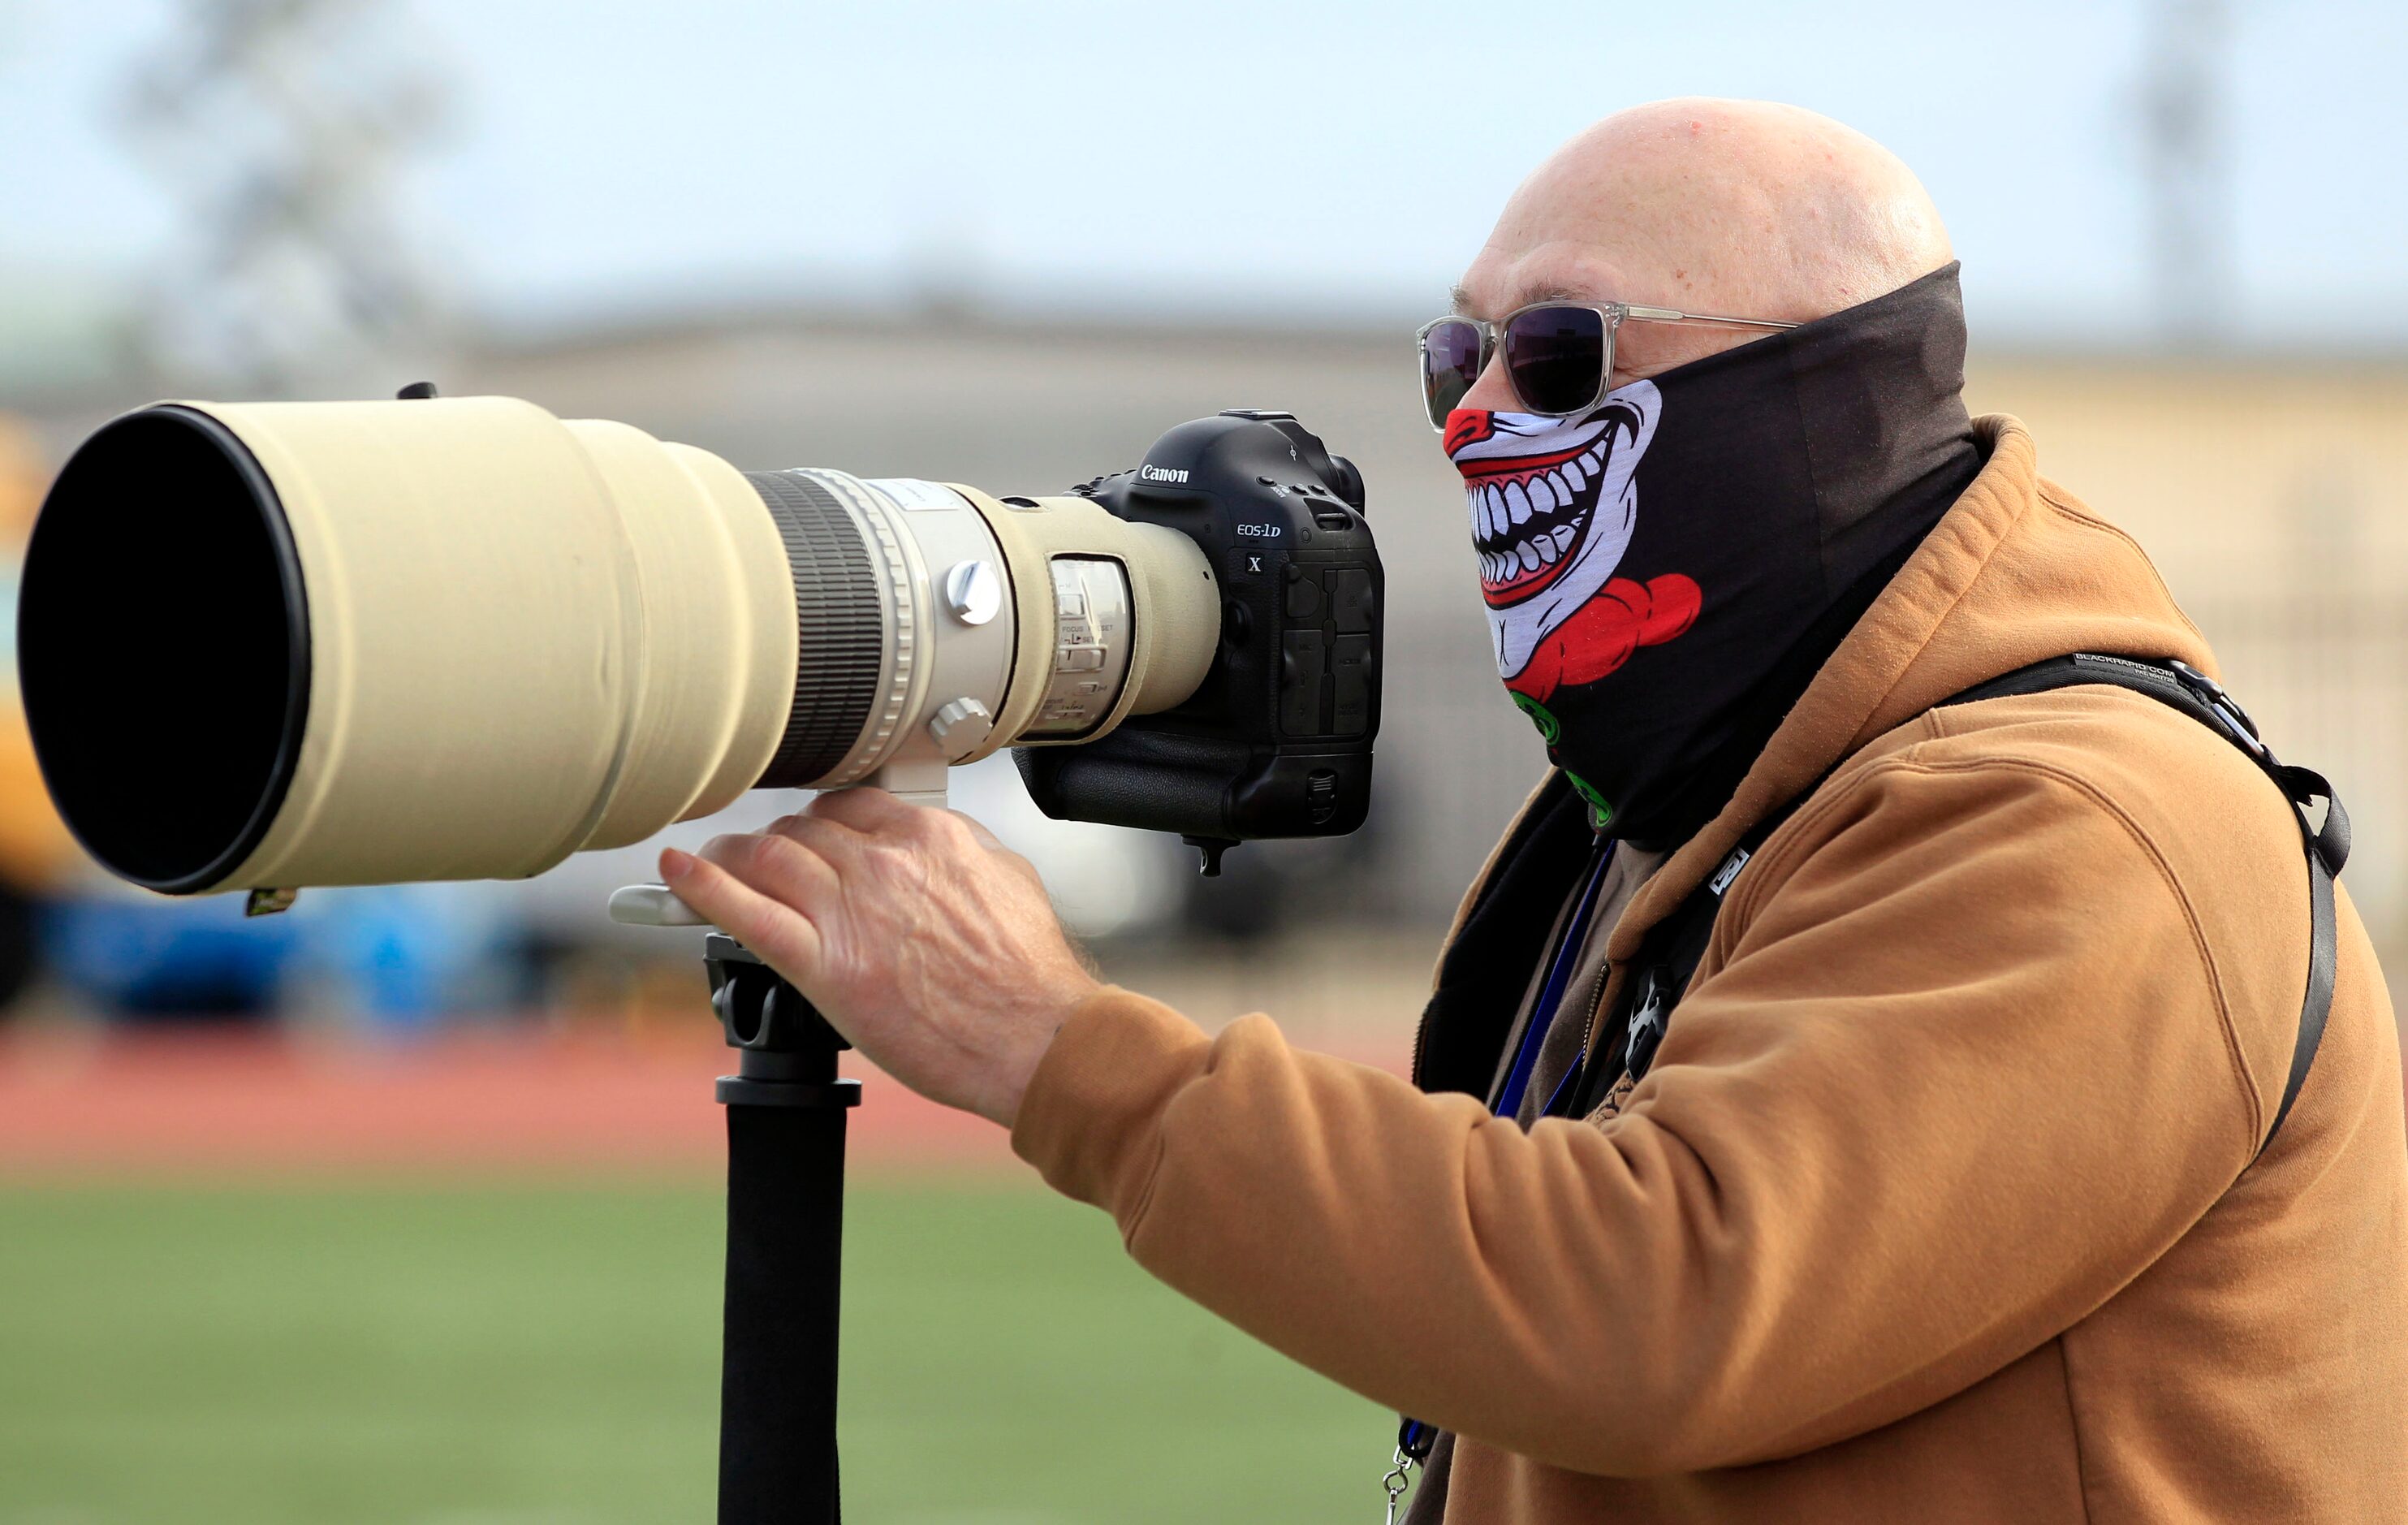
<point x="1450" y="365"/>
<point x="1555" y="357"/>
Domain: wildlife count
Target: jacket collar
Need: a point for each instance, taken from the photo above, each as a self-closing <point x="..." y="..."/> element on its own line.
<point x="2017" y="572"/>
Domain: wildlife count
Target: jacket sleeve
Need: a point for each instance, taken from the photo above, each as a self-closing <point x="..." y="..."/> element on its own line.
<point x="1959" y="1068"/>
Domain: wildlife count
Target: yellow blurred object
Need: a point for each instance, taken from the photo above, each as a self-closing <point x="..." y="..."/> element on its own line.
<point x="35" y="848"/>
<point x="25" y="475"/>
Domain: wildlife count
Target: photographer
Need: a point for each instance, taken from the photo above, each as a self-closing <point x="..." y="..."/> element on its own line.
<point x="1943" y="1197"/>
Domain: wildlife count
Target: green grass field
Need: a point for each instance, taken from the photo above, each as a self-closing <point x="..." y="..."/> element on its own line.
<point x="509" y="1357"/>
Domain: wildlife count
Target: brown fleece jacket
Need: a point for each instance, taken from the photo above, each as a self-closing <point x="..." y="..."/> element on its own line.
<point x="1939" y="1202"/>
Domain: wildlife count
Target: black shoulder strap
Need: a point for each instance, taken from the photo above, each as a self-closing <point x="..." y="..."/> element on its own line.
<point x="1675" y="947"/>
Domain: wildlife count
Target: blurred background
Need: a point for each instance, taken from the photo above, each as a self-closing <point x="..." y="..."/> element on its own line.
<point x="400" y="1206"/>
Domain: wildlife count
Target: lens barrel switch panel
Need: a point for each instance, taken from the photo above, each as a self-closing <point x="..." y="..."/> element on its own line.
<point x="1092" y="628"/>
<point x="1327" y="674"/>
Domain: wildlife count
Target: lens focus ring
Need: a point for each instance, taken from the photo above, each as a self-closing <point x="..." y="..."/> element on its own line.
<point x="840" y="631"/>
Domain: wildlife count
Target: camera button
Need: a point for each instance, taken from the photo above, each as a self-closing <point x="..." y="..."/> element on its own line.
<point x="1350" y="601"/>
<point x="1303" y="594"/>
<point x="1321" y="794"/>
<point x="1350" y="677"/>
<point x="1301" y="658"/>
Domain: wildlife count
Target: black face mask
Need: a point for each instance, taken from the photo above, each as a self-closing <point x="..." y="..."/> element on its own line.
<point x="1665" y="573"/>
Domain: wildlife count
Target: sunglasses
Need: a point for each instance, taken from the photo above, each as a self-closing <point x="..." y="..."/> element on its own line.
<point x="1558" y="355"/>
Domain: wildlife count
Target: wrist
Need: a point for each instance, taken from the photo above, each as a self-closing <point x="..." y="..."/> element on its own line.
<point x="1028" y="1036"/>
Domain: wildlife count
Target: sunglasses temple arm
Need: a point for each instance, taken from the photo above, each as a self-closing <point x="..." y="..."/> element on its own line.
<point x="1666" y="314"/>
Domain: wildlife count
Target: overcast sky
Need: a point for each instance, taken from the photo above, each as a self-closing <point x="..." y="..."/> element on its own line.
<point x="1295" y="158"/>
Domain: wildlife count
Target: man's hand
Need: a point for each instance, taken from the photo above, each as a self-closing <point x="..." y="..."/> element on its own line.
<point x="920" y="937"/>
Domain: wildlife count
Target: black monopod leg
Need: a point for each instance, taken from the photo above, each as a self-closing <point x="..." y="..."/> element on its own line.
<point x="785" y="1235"/>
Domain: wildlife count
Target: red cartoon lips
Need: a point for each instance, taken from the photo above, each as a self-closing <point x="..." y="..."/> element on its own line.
<point x="1467" y="427"/>
<point x="1601" y="633"/>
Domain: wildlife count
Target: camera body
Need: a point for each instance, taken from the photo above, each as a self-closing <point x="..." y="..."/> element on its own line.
<point x="1276" y="742"/>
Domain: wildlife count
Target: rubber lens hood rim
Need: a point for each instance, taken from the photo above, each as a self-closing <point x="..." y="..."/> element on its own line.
<point x="260" y="492"/>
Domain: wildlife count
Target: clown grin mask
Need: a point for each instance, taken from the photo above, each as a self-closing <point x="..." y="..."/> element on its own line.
<point x="1664" y="572"/>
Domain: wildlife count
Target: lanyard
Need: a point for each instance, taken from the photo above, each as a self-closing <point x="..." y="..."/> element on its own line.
<point x="1415" y="1439"/>
<point x="1551" y="994"/>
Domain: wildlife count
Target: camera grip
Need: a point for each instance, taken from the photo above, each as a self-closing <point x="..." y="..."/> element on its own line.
<point x="1199" y="787"/>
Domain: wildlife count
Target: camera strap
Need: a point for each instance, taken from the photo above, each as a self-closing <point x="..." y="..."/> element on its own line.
<point x="1507" y="1100"/>
<point x="1669" y="958"/>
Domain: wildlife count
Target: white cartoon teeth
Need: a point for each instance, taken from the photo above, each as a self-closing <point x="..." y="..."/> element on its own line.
<point x="1529" y="510"/>
<point x="1531" y="524"/>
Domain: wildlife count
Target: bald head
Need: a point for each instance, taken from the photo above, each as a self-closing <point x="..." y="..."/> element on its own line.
<point x="1739" y="208"/>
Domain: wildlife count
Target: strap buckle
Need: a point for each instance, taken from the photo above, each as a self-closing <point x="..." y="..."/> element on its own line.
<point x="1647" y="1024"/>
<point x="1414" y="1442"/>
<point x="1400" y="1477"/>
<point x="2229" y="716"/>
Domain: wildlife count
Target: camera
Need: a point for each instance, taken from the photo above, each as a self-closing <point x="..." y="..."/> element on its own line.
<point x="1276" y="740"/>
<point x="269" y="645"/>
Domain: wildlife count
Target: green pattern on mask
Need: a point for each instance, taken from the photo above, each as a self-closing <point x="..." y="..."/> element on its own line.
<point x="1549" y="729"/>
<point x="1540" y="716"/>
<point x="1597" y="802"/>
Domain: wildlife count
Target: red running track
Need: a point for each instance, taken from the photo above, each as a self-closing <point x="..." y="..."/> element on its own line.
<point x="243" y="1103"/>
